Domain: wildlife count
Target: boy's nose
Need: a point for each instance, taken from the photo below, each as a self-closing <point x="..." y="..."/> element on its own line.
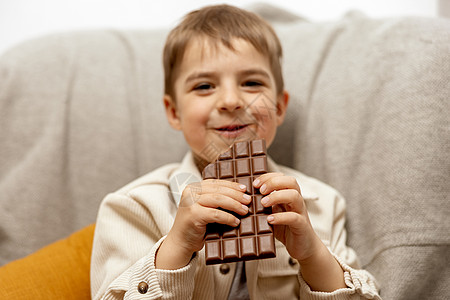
<point x="230" y="101"/>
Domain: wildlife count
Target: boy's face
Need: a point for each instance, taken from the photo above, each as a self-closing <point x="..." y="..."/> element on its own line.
<point x="223" y="96"/>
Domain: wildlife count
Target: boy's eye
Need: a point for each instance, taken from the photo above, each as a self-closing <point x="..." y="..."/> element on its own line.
<point x="252" y="83"/>
<point x="203" y="86"/>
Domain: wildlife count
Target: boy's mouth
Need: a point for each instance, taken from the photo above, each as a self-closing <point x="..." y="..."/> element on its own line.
<point x="231" y="128"/>
<point x="232" y="131"/>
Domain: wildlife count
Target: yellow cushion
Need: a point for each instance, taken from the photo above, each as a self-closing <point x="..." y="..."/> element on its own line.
<point x="57" y="271"/>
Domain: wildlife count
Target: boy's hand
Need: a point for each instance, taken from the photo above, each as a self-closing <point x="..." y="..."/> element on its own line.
<point x="289" y="215"/>
<point x="200" y="205"/>
<point x="293" y="228"/>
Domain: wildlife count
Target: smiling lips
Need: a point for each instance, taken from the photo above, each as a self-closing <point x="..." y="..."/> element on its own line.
<point x="232" y="131"/>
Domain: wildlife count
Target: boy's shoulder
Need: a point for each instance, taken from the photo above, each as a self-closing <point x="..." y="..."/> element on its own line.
<point x="172" y="176"/>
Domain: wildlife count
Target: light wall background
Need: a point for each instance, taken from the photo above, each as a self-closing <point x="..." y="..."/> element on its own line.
<point x="25" y="19"/>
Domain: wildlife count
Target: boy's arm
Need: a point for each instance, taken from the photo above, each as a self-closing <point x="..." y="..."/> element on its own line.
<point x="199" y="206"/>
<point x="123" y="257"/>
<point x="171" y="255"/>
<point x="321" y="271"/>
<point x="129" y="227"/>
<point x="359" y="284"/>
<point x="293" y="228"/>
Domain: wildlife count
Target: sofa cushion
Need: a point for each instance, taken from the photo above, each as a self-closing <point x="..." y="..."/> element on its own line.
<point x="57" y="271"/>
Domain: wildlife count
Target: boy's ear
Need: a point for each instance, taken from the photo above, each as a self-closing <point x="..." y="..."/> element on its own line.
<point x="282" y="103"/>
<point x="172" y="112"/>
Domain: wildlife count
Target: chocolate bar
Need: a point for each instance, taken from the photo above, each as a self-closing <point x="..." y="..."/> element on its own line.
<point x="253" y="238"/>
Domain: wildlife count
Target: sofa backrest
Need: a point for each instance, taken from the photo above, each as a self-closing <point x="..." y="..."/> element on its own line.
<point x="81" y="115"/>
<point x="370" y="112"/>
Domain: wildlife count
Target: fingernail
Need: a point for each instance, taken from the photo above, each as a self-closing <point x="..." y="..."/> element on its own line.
<point x="243" y="187"/>
<point x="247" y="197"/>
<point x="237" y="221"/>
<point x="264" y="201"/>
<point x="245" y="208"/>
<point x="270" y="219"/>
<point x="263" y="188"/>
<point x="256" y="182"/>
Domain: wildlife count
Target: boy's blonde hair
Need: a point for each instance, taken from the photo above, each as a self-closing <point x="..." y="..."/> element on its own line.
<point x="221" y="23"/>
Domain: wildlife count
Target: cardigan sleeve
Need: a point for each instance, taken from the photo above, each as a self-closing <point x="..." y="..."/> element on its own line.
<point x="360" y="285"/>
<point x="157" y="283"/>
<point x="126" y="241"/>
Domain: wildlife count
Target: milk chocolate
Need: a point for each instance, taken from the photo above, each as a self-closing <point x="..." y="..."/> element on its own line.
<point x="253" y="238"/>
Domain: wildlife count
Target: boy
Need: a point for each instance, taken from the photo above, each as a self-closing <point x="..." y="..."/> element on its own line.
<point x="223" y="84"/>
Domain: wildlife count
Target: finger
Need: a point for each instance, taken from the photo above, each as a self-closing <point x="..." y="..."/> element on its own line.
<point x="213" y="215"/>
<point x="290" y="198"/>
<point x="291" y="219"/>
<point x="193" y="192"/>
<point x="216" y="200"/>
<point x="277" y="182"/>
<point x="259" y="181"/>
<point x="231" y="189"/>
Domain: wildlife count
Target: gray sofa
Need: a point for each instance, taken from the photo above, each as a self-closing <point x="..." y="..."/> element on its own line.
<point x="81" y="115"/>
